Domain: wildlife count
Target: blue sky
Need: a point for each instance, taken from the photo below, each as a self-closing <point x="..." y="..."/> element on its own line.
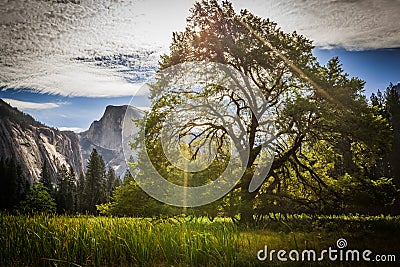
<point x="377" y="67"/>
<point x="72" y="113"/>
<point x="63" y="62"/>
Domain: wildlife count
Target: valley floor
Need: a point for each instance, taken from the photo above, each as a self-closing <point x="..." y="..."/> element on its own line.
<point x="45" y="240"/>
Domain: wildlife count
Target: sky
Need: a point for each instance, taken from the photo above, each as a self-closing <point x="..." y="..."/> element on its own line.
<point x="64" y="61"/>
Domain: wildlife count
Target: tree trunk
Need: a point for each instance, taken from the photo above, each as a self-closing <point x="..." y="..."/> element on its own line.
<point x="246" y="209"/>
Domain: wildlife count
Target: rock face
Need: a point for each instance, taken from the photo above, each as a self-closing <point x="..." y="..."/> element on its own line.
<point x="106" y="136"/>
<point x="32" y="143"/>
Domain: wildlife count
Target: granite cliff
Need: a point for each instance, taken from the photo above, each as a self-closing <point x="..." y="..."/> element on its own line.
<point x="31" y="143"/>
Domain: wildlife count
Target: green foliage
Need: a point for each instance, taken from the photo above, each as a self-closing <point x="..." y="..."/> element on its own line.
<point x="130" y="200"/>
<point x="80" y="189"/>
<point x="112" y="182"/>
<point x="66" y="190"/>
<point x="46" y="178"/>
<point x="94" y="190"/>
<point x="364" y="195"/>
<point x="384" y="191"/>
<point x="325" y="127"/>
<point x="13" y="185"/>
<point x="387" y="107"/>
<point x="216" y="33"/>
<point x="38" y="200"/>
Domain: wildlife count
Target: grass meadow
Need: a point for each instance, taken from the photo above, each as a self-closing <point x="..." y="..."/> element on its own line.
<point x="51" y="240"/>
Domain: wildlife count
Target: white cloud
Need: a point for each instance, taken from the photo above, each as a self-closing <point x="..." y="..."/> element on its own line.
<point x="103" y="27"/>
<point x="23" y="105"/>
<point x="74" y="129"/>
<point x="39" y="38"/>
<point x="72" y="78"/>
<point x="352" y="24"/>
<point x="143" y="108"/>
<point x="90" y="28"/>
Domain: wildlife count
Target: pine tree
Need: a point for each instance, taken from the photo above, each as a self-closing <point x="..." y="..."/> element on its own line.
<point x="112" y="182"/>
<point x="130" y="200"/>
<point x="128" y="176"/>
<point x="95" y="189"/>
<point x="393" y="112"/>
<point x="80" y="191"/>
<point x="45" y="177"/>
<point x="13" y="185"/>
<point x="66" y="190"/>
<point x="38" y="200"/>
<point x="387" y="105"/>
<point x="72" y="182"/>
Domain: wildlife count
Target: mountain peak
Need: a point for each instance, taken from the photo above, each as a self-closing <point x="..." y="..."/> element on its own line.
<point x="105" y="135"/>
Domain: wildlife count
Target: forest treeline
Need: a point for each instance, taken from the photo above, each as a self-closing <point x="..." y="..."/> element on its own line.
<point x="64" y="194"/>
<point x="100" y="190"/>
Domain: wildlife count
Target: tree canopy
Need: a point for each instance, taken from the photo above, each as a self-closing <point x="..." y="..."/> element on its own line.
<point x="328" y="138"/>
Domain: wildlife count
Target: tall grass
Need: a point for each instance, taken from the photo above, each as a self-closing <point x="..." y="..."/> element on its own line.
<point x="48" y="240"/>
<point x="99" y="241"/>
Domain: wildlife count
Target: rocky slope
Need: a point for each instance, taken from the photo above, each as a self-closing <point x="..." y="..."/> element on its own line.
<point x="106" y="136"/>
<point x="31" y="143"/>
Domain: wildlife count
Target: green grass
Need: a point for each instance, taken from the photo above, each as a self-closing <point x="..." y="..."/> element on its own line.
<point x="45" y="240"/>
